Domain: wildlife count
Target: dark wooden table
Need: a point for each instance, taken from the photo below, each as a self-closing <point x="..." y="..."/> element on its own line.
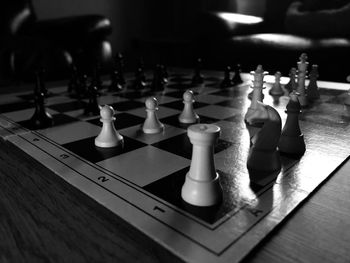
<point x="44" y="219"/>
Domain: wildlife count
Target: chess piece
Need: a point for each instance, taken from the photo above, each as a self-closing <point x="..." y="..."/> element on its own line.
<point x="41" y="119"/>
<point x="258" y="85"/>
<point x="236" y="79"/>
<point x="188" y="115"/>
<point x="263" y="154"/>
<point x="276" y="89"/>
<point x="164" y="72"/>
<point x="119" y="66"/>
<point x="81" y="88"/>
<point x="108" y="137"/>
<point x="92" y="107"/>
<point x="202" y="186"/>
<point x="74" y="79"/>
<point x="96" y="77"/>
<point x="40" y="83"/>
<point x="312" y="91"/>
<point x="116" y="83"/>
<point x="152" y="124"/>
<point x="158" y="81"/>
<point x="139" y="82"/>
<point x="347" y="99"/>
<point x="291" y="85"/>
<point x="197" y="76"/>
<point x="292" y="140"/>
<point x="226" y="82"/>
<point x="302" y="71"/>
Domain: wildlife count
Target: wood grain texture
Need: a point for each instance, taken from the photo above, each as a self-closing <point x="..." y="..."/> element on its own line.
<point x="43" y="219"/>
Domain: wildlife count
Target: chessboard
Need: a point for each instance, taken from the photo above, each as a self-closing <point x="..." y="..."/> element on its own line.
<point x="141" y="180"/>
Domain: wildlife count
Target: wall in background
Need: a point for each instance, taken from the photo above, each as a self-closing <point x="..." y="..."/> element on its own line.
<point x="142" y="19"/>
<point x="129" y="19"/>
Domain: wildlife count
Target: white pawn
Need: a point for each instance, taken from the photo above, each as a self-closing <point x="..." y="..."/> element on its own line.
<point x="152" y="124"/>
<point x="108" y="137"/>
<point x="188" y="115"/>
<point x="202" y="186"/>
<point x="276" y="89"/>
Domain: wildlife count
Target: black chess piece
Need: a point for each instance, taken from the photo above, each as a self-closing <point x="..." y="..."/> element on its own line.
<point x="74" y="79"/>
<point x="226" y="82"/>
<point x="82" y="87"/>
<point x="197" y="76"/>
<point x="164" y="72"/>
<point x="41" y="119"/>
<point x="141" y="70"/>
<point x="116" y="84"/>
<point x="236" y="79"/>
<point x="139" y="82"/>
<point x="119" y="66"/>
<point x="96" y="77"/>
<point x="158" y="81"/>
<point x="40" y="83"/>
<point x="92" y="107"/>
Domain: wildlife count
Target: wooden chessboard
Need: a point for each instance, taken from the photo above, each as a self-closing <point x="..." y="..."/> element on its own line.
<point x="141" y="181"/>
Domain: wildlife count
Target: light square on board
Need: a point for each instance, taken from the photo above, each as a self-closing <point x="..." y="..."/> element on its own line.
<point x="210" y="99"/>
<point x="25" y="114"/>
<point x="71" y="132"/>
<point x="217" y="112"/>
<point x="144" y="165"/>
<point x="162" y="112"/>
<point x="108" y="100"/>
<point x="136" y="133"/>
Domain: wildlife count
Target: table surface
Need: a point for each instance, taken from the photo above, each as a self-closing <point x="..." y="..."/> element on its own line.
<point x="44" y="219"/>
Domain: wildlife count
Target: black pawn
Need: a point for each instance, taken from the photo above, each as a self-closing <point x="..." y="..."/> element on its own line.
<point x="197" y="76"/>
<point x="74" y="79"/>
<point x="291" y="85"/>
<point x="236" y="79"/>
<point x="115" y="81"/>
<point x="226" y="82"/>
<point x="164" y="73"/>
<point x="41" y="119"/>
<point x="312" y="90"/>
<point x="292" y="140"/>
<point x="80" y="90"/>
<point x="119" y="66"/>
<point x="96" y="77"/>
<point x="139" y="82"/>
<point x="92" y="107"/>
<point x="40" y="83"/>
<point x="158" y="82"/>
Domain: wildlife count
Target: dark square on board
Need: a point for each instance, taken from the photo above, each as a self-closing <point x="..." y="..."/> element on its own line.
<point x="86" y="149"/>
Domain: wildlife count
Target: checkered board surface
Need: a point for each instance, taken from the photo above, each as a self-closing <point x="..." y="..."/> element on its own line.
<point x="141" y="180"/>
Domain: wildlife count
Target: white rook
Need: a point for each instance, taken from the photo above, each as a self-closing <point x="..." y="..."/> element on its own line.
<point x="202" y="186"/>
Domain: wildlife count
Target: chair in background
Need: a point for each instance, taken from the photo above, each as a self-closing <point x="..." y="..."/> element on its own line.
<point x="226" y="38"/>
<point x="54" y="44"/>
